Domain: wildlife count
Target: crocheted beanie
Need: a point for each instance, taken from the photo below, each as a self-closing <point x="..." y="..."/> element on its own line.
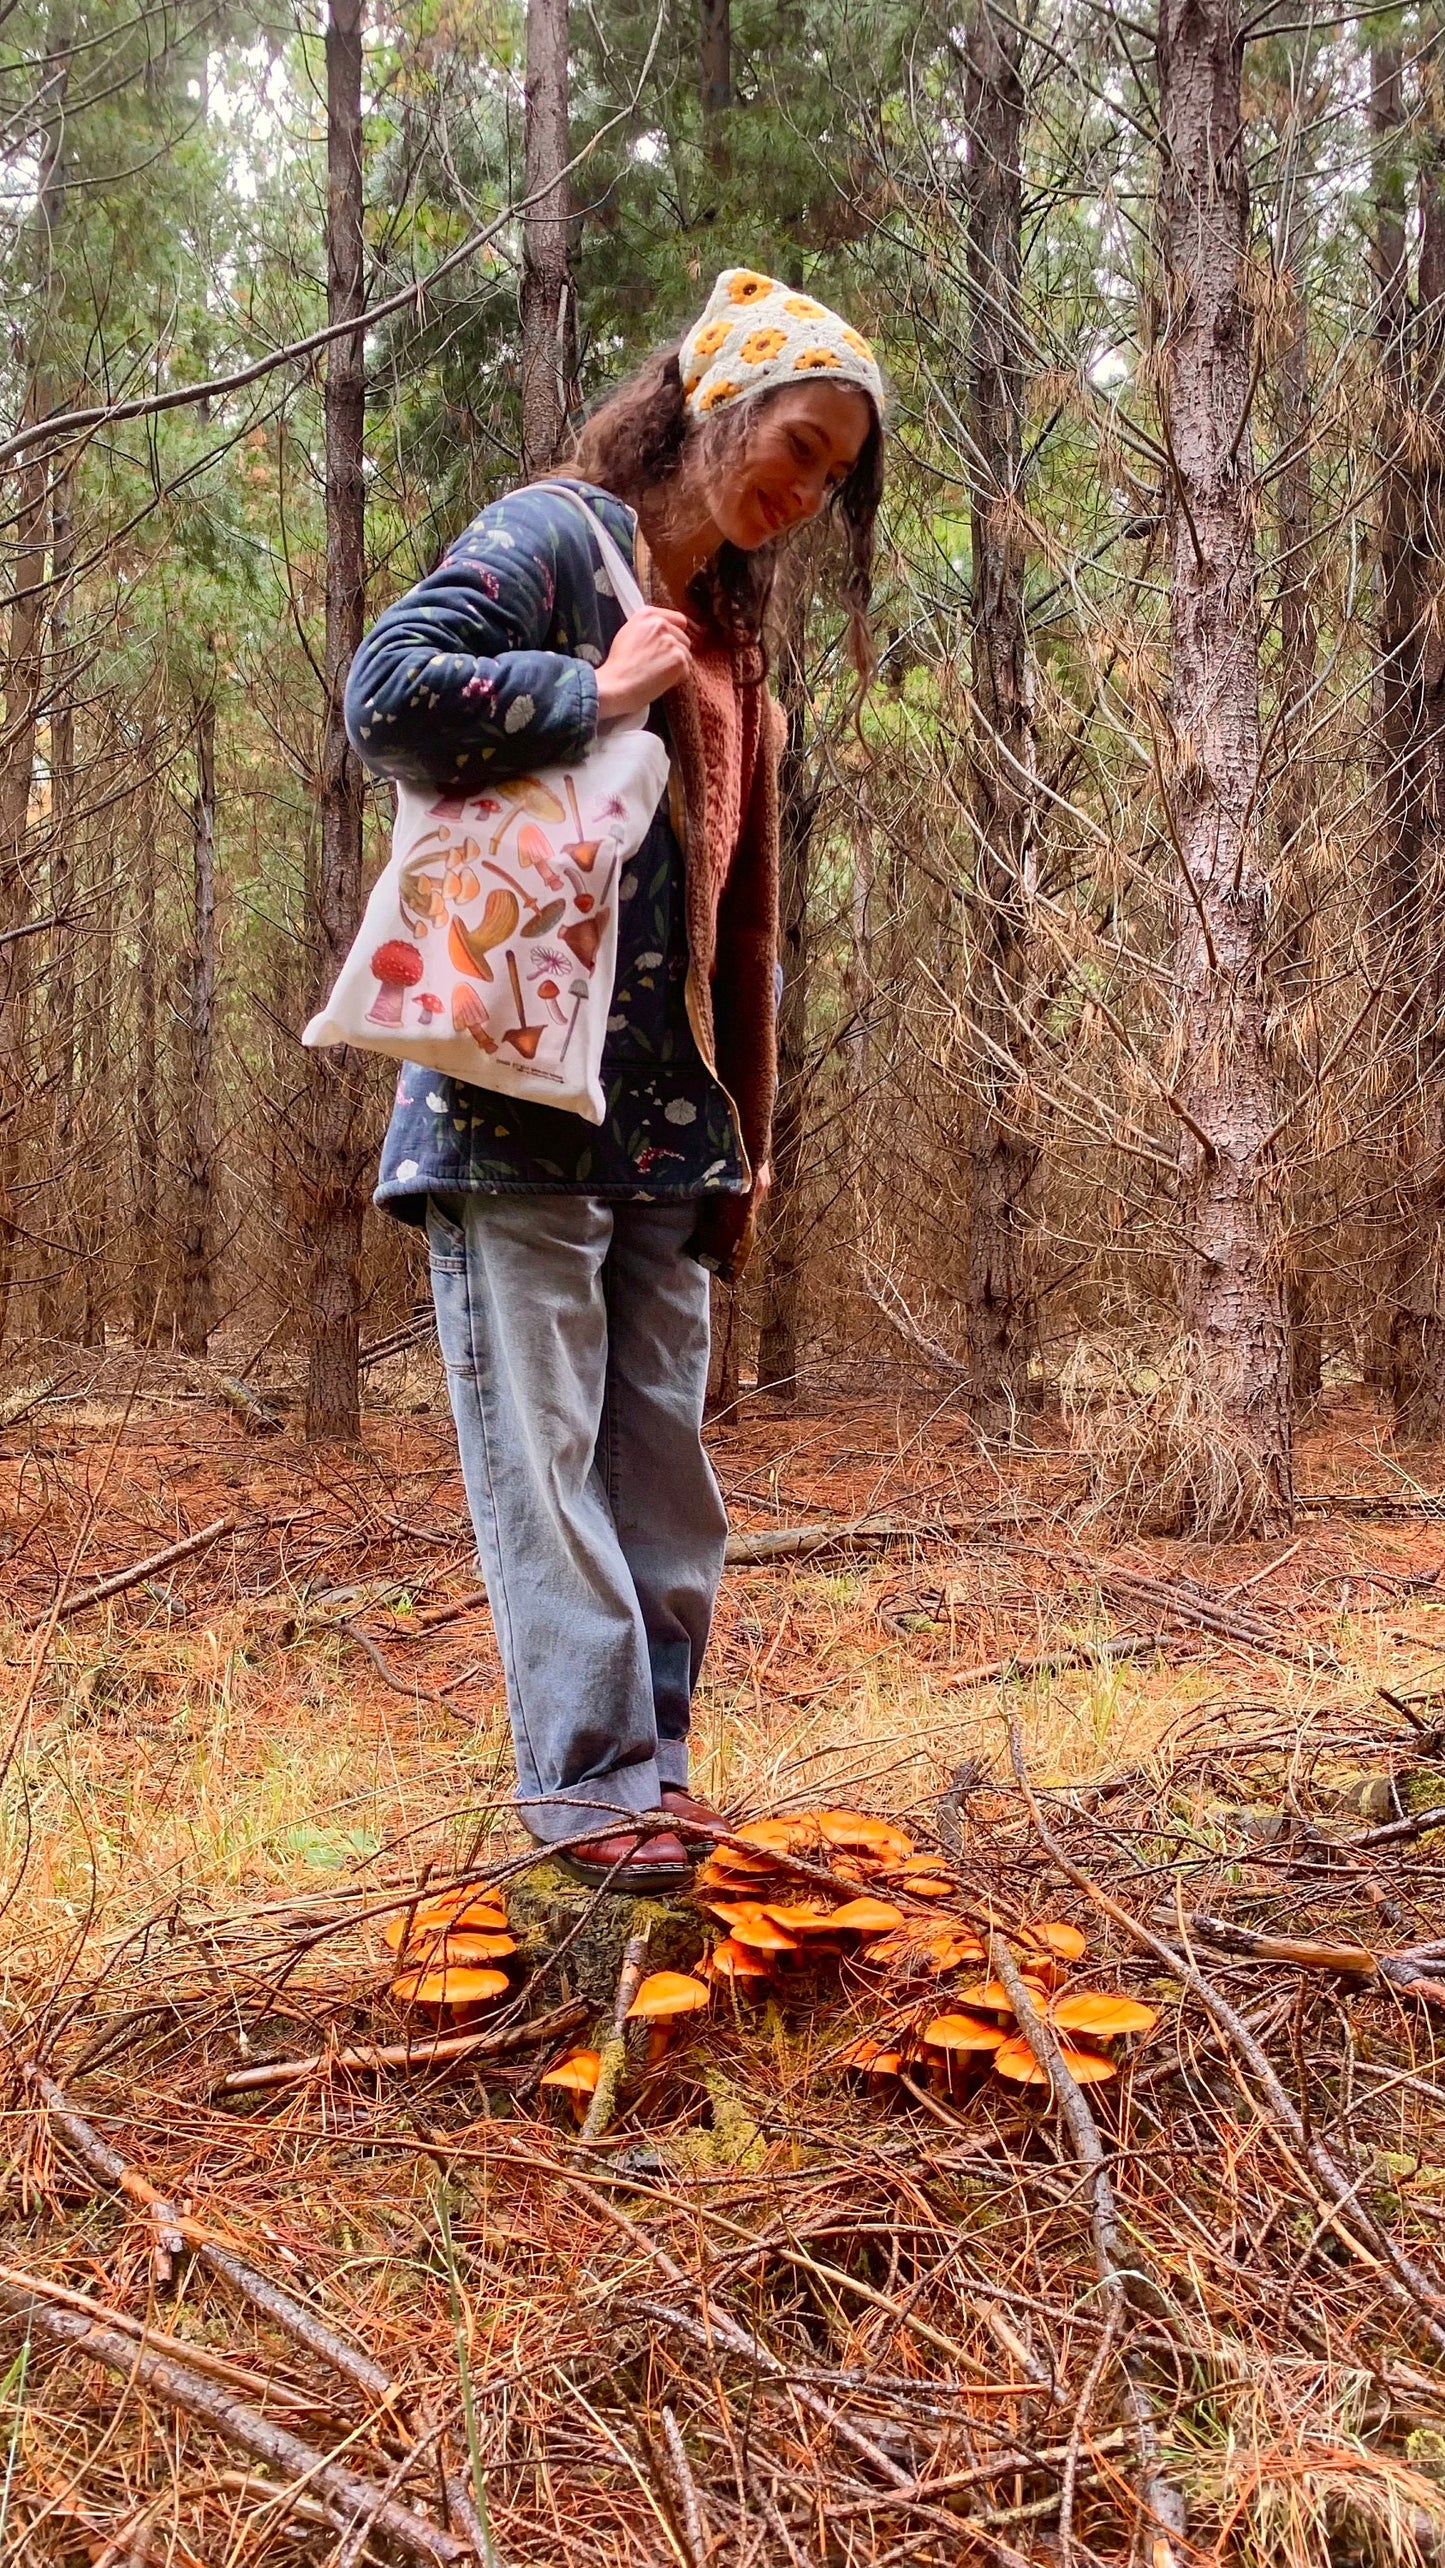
<point x="758" y="333"/>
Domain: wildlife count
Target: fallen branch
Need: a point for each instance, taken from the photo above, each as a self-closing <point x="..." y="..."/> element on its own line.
<point x="895" y="1310"/>
<point x="1190" y="1604"/>
<point x="1413" y="1973"/>
<point x="408" y="2055"/>
<point x="253" y="1414"/>
<point x="351" y="2497"/>
<point x="124" y="1578"/>
<point x="178" y="2227"/>
<point x="413" y="1332"/>
<point x="603" y="2102"/>
<point x="197" y="2358"/>
<point x="795" y="1542"/>
<point x="1047" y="1662"/>
<point x="1402" y="2277"/>
<point x="1122" y="2283"/>
<point x="1398" y="1832"/>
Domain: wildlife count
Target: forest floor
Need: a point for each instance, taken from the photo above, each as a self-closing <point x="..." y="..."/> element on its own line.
<point x="777" y="2315"/>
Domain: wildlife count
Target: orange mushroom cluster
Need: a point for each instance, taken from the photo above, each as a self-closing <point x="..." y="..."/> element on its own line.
<point x="450" y="1948"/>
<point x="973" y="2038"/>
<point x="745" y="1886"/>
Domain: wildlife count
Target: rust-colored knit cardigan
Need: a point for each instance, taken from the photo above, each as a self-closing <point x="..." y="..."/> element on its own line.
<point x="726" y="738"/>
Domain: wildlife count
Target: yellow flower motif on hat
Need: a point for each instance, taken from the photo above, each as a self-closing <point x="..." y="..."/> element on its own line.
<point x="813" y="360"/>
<point x="759" y="345"/>
<point x="748" y="287"/>
<point x="717" y="393"/>
<point x="803" y="308"/>
<point x="710" y="337"/>
<point x="855" y="340"/>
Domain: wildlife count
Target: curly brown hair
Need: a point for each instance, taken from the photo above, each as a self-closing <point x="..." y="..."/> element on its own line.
<point x="633" y="444"/>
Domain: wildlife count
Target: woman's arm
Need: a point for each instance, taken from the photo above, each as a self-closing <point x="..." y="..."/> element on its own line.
<point x="456" y="682"/>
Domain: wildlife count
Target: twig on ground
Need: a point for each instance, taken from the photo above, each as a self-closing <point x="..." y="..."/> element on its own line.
<point x="1402" y="2277"/>
<point x="117" y="1584"/>
<point x="1121" y="2279"/>
<point x="291" y="2316"/>
<point x="428" y="2053"/>
<point x="603" y="2103"/>
<point x="350" y="2495"/>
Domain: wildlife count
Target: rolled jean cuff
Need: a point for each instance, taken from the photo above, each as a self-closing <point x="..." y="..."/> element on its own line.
<point x="592" y="1809"/>
<point x="672" y="1762"/>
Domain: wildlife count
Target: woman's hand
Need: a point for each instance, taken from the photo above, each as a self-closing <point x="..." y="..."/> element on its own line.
<point x="651" y="653"/>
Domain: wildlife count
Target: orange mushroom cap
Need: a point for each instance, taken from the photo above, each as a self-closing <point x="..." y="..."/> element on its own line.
<point x="873" y="2057"/>
<point x="578" y="2073"/>
<point x="762" y="1933"/>
<point x="803" y="1917"/>
<point x="996" y="1997"/>
<point x="457" y="1986"/>
<point x="864" y="1916"/>
<point x="781" y="1836"/>
<point x="666" y="1993"/>
<point x="733" y="1961"/>
<point x="478" y="1909"/>
<point x="1015" y="2060"/>
<point x="1100" y="2012"/>
<point x="858" y="1834"/>
<point x="926" y="1948"/>
<point x="466" y="1947"/>
<point x="1061" y="1938"/>
<point x="962" y="2033"/>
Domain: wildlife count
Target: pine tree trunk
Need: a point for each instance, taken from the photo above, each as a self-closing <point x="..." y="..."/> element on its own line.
<point x="1295" y="796"/>
<point x="1231" y="1303"/>
<point x="336" y="1139"/>
<point x="715" y="80"/>
<point x="1417" y="1325"/>
<point x="197" y="1140"/>
<point x="68" y="1177"/>
<point x="999" y="1292"/>
<point x="785" y="1239"/>
<point x="25" y="658"/>
<point x="145" y="1287"/>
<point x="548" y="324"/>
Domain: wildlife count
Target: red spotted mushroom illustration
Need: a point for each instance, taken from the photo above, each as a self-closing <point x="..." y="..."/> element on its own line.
<point x="398" y="967"/>
<point x="430" y="1005"/>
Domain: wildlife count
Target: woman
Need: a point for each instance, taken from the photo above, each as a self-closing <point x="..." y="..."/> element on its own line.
<point x="570" y="1262"/>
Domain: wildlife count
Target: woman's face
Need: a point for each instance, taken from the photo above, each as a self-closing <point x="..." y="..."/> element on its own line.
<point x="793" y="450"/>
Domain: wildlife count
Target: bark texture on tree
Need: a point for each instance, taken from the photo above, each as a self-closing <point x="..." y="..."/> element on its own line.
<point x="25" y="647"/>
<point x="145" y="1271"/>
<point x="785" y="1238"/>
<point x="198" y="1013"/>
<point x="999" y="1289"/>
<point x="548" y="316"/>
<point x="715" y="80"/>
<point x="336" y="1141"/>
<point x="1231" y="1298"/>
<point x="1295" y="794"/>
<point x="1411" y="781"/>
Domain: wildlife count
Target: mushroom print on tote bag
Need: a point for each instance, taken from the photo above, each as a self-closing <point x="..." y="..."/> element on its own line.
<point x="489" y="945"/>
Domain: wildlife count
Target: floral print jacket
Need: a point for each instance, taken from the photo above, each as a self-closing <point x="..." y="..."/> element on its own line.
<point x="486" y="668"/>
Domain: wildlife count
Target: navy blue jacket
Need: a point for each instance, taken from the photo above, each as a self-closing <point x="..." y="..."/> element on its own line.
<point x="486" y="668"/>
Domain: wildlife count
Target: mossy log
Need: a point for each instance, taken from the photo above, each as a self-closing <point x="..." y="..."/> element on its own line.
<point x="547" y="1909"/>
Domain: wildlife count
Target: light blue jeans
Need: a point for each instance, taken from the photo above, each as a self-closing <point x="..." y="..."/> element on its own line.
<point x="575" y="1336"/>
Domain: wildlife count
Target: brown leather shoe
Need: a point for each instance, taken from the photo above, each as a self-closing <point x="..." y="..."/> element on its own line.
<point x="624" y="1862"/>
<point x="698" y="1815"/>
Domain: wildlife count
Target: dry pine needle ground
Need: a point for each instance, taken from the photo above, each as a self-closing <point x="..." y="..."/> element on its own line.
<point x="776" y="2315"/>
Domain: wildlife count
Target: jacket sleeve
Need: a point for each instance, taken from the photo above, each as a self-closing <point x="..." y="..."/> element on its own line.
<point x="457" y="681"/>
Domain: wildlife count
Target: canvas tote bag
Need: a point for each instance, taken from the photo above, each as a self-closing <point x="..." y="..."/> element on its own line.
<point x="489" y="944"/>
